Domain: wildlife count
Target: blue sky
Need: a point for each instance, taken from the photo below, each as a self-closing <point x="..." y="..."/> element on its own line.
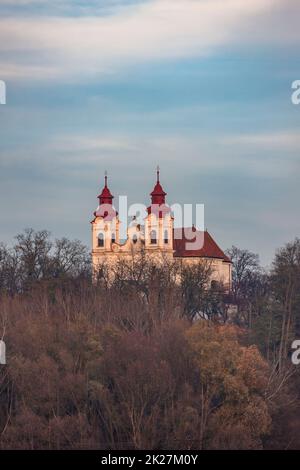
<point x="200" y="87"/>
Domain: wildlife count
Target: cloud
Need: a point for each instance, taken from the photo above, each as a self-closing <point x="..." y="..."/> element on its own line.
<point x="68" y="8"/>
<point x="281" y="140"/>
<point x="92" y="4"/>
<point x="260" y="156"/>
<point x="90" y="46"/>
<point x="86" y="143"/>
<point x="13" y="71"/>
<point x="22" y="2"/>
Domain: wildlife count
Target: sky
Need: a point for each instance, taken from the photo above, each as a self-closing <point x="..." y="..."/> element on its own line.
<point x="201" y="88"/>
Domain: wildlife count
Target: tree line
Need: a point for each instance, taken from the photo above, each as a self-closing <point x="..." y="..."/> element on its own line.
<point x="156" y="357"/>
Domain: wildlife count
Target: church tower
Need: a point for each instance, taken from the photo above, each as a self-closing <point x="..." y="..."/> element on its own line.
<point x="159" y="221"/>
<point x="105" y="226"/>
<point x="155" y="239"/>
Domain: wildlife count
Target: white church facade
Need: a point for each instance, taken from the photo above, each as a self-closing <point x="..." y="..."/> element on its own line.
<point x="157" y="237"/>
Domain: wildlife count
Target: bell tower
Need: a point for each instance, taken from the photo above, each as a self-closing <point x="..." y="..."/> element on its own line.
<point x="159" y="221"/>
<point x="105" y="226"/>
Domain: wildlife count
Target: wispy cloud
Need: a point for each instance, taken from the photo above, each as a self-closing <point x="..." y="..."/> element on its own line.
<point x="71" y="143"/>
<point x="260" y="156"/>
<point x="92" y="46"/>
<point x="280" y="140"/>
<point x="71" y="8"/>
<point x="22" y="2"/>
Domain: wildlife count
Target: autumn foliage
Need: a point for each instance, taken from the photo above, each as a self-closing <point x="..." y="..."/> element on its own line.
<point x="131" y="364"/>
<point x="78" y="377"/>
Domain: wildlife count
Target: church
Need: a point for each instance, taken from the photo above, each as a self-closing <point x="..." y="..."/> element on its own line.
<point x="157" y="237"/>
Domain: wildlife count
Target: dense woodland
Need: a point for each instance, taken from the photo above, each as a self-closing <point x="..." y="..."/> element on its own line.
<point x="153" y="359"/>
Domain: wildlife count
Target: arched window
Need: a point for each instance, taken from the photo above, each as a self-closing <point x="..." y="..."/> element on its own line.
<point x="113" y="238"/>
<point x="100" y="240"/>
<point x="166" y="237"/>
<point x="153" y="237"/>
<point x="134" y="238"/>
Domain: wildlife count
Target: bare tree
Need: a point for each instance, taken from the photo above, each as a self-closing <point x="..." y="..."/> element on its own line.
<point x="33" y="249"/>
<point x="245" y="279"/>
<point x="70" y="258"/>
<point x="195" y="286"/>
<point x="286" y="285"/>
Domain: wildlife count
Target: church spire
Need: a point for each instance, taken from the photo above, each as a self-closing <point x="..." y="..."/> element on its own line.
<point x="158" y="199"/>
<point x="158" y="195"/>
<point x="105" y="197"/>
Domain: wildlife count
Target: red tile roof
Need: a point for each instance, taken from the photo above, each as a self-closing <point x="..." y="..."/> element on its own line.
<point x="204" y="244"/>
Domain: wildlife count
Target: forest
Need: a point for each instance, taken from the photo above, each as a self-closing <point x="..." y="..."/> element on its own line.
<point x="155" y="358"/>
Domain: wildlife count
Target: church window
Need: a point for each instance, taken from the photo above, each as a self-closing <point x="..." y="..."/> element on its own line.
<point x="166" y="237"/>
<point x="100" y="240"/>
<point x="134" y="239"/>
<point x="113" y="238"/>
<point x="153" y="237"/>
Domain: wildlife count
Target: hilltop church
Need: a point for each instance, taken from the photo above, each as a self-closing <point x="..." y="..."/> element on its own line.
<point x="157" y="237"/>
